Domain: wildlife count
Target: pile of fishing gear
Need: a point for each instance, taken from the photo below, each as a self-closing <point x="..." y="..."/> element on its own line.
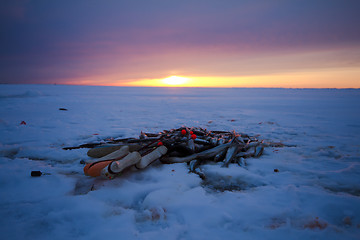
<point x="194" y="146"/>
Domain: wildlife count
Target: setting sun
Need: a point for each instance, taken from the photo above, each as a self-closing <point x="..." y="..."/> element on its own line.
<point x="175" y="80"/>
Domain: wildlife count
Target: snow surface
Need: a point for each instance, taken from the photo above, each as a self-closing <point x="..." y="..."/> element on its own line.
<point x="315" y="194"/>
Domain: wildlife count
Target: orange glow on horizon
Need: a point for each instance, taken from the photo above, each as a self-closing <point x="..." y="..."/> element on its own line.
<point x="325" y="78"/>
<point x="308" y="69"/>
<point x="328" y="78"/>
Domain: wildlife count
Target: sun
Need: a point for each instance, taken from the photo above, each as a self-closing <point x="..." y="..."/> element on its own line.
<point x="175" y="80"/>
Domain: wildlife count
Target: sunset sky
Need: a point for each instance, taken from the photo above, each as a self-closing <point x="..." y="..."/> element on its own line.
<point x="200" y="43"/>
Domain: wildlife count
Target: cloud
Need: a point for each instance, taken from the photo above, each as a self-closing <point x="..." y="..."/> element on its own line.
<point x="57" y="40"/>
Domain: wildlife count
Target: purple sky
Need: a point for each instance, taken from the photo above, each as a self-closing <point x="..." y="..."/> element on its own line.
<point x="60" y="41"/>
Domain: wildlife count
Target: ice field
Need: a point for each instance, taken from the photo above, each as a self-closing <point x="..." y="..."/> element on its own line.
<point x="314" y="195"/>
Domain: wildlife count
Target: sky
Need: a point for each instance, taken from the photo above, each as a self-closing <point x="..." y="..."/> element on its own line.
<point x="198" y="43"/>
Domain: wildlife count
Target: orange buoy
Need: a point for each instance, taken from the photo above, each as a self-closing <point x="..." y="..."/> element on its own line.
<point x="94" y="169"/>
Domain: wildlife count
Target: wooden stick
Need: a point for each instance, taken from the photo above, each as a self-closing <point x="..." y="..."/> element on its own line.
<point x="204" y="154"/>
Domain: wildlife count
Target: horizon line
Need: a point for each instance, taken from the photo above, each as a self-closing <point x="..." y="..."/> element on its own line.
<point x="64" y="84"/>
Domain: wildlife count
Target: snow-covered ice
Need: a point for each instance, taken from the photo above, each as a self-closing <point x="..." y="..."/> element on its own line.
<point x="315" y="194"/>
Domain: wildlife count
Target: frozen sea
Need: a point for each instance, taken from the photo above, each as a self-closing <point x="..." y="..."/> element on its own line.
<point x="315" y="194"/>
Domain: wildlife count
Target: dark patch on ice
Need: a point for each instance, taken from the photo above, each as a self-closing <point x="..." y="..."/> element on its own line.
<point x="351" y="191"/>
<point x="83" y="186"/>
<point x="226" y="183"/>
<point x="9" y="152"/>
<point x="27" y="94"/>
<point x="329" y="151"/>
<point x="218" y="187"/>
<point x="268" y="123"/>
<point x="36" y="158"/>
